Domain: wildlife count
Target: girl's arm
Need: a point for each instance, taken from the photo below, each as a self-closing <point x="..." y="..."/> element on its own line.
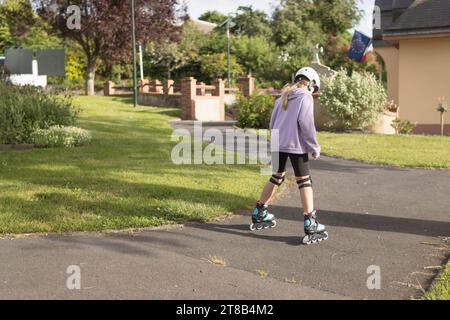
<point x="307" y="126"/>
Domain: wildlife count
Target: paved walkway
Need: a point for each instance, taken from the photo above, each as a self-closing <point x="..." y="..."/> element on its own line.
<point x="397" y="219"/>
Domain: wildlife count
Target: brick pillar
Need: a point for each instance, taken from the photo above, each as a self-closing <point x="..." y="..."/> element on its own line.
<point x="143" y="86"/>
<point x="108" y="88"/>
<point x="247" y="85"/>
<point x="168" y="87"/>
<point x="152" y="86"/>
<point x="188" y="94"/>
<point x="219" y="91"/>
<point x="159" y="87"/>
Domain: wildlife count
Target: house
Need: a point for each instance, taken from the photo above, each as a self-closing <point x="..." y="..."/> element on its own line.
<point x="204" y="26"/>
<point x="414" y="42"/>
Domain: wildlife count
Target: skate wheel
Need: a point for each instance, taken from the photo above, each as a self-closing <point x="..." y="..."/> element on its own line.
<point x="252" y="227"/>
<point x="274" y="224"/>
<point x="259" y="227"/>
<point x="306" y="241"/>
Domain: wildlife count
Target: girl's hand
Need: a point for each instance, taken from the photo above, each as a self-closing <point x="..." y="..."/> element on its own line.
<point x="316" y="155"/>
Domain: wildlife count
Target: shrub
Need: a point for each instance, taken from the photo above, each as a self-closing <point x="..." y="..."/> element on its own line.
<point x="255" y="111"/>
<point x="403" y="126"/>
<point x="353" y="102"/>
<point x="58" y="136"/>
<point x="26" y="109"/>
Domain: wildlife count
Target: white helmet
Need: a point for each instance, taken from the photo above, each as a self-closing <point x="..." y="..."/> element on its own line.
<point x="311" y="75"/>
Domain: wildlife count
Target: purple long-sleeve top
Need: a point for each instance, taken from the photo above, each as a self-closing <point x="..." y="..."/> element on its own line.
<point x="295" y="125"/>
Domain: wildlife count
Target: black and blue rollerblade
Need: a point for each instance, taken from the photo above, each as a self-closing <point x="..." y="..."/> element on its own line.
<point x="262" y="219"/>
<point x="315" y="232"/>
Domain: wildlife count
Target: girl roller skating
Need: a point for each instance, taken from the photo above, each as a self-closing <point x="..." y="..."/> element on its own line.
<point x="293" y="120"/>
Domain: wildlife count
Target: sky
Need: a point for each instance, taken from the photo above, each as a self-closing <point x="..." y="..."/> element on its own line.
<point x="197" y="7"/>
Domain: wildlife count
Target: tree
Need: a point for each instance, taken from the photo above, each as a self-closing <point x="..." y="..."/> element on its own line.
<point x="251" y="22"/>
<point x="18" y="15"/>
<point x="21" y="27"/>
<point x="105" y="29"/>
<point x="258" y="56"/>
<point x="173" y="55"/>
<point x="6" y="39"/>
<point x="213" y="17"/>
<point x="215" y="66"/>
<point x="442" y="109"/>
<point x="336" y="16"/>
<point x="168" y="55"/>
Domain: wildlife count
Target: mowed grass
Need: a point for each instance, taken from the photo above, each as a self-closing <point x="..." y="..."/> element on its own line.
<point x="124" y="179"/>
<point x="399" y="150"/>
<point x="441" y="288"/>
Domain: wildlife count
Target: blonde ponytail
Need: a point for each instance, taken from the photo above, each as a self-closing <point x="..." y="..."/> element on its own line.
<point x="291" y="87"/>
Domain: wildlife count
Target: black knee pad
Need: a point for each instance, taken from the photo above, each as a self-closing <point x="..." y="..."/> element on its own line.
<point x="277" y="180"/>
<point x="305" y="183"/>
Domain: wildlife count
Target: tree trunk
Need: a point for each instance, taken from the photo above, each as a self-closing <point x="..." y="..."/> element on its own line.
<point x="169" y="73"/>
<point x="442" y="124"/>
<point x="90" y="78"/>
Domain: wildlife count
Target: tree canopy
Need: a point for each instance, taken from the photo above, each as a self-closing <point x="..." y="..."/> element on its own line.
<point x="105" y="28"/>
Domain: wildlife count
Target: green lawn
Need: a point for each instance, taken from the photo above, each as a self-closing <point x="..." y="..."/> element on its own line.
<point x="404" y="151"/>
<point x="123" y="179"/>
<point x="441" y="288"/>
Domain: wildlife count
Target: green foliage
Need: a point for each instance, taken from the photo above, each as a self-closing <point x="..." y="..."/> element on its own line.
<point x="257" y="55"/>
<point x="442" y="106"/>
<point x="215" y="42"/>
<point x="298" y="25"/>
<point x="251" y="23"/>
<point x="441" y="286"/>
<point x="336" y="16"/>
<point x="60" y="136"/>
<point x="216" y="66"/>
<point x="403" y="126"/>
<point x="272" y="48"/>
<point x="353" y="101"/>
<point x="213" y="17"/>
<point x="21" y="27"/>
<point x="25" y="109"/>
<point x="255" y="111"/>
<point x="169" y="58"/>
<point x="6" y="39"/>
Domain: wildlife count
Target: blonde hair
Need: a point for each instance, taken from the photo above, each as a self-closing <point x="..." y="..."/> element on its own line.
<point x="289" y="88"/>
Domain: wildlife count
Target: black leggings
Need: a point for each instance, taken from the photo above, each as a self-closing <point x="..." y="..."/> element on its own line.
<point x="300" y="163"/>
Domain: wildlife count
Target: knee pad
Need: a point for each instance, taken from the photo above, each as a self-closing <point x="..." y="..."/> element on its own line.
<point x="305" y="183"/>
<point x="277" y="180"/>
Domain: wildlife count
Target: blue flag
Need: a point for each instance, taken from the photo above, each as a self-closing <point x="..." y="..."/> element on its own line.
<point x="360" y="43"/>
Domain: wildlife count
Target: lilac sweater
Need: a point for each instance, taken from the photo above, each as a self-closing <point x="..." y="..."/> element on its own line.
<point x="295" y="125"/>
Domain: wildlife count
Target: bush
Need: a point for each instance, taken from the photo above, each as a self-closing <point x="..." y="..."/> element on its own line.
<point x="58" y="136"/>
<point x="403" y="126"/>
<point x="353" y="102"/>
<point x="23" y="110"/>
<point x="255" y="111"/>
